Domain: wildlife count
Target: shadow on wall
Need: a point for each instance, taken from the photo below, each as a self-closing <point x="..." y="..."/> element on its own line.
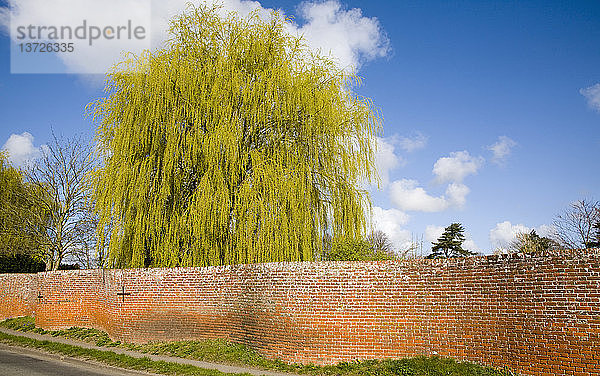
<point x="537" y="314"/>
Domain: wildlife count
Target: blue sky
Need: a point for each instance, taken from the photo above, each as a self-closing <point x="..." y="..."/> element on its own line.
<point x="451" y="79"/>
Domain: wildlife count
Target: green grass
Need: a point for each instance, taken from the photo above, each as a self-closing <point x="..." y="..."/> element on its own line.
<point x="220" y="351"/>
<point x="111" y="358"/>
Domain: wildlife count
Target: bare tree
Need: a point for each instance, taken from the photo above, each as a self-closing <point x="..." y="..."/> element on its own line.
<point x="380" y="242"/>
<point x="64" y="173"/>
<point x="415" y="249"/>
<point x="575" y="226"/>
<point x="87" y="251"/>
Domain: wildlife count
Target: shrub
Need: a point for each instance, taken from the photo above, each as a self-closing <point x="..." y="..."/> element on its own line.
<point x="355" y="250"/>
<point x="20" y="263"/>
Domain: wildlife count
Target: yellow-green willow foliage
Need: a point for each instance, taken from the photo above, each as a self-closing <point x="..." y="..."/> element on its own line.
<point x="233" y="144"/>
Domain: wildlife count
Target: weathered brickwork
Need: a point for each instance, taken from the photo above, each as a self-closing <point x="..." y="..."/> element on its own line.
<point x="18" y="294"/>
<point x="539" y="315"/>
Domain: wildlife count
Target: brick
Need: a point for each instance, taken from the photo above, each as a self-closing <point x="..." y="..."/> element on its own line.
<point x="537" y="314"/>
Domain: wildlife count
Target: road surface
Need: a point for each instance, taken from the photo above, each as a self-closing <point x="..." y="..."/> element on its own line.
<point x="18" y="361"/>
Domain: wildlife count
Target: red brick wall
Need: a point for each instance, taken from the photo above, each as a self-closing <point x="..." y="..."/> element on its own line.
<point x="539" y="315"/>
<point x="18" y="293"/>
<point x="84" y="298"/>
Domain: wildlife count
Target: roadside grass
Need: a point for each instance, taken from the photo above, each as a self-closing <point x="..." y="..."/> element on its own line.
<point x="111" y="358"/>
<point x="220" y="351"/>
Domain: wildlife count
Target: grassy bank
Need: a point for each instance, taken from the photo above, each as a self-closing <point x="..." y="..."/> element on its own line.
<point x="111" y="358"/>
<point x="234" y="354"/>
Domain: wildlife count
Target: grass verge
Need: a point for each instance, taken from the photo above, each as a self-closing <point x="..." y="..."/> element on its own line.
<point x="220" y="351"/>
<point x="112" y="358"/>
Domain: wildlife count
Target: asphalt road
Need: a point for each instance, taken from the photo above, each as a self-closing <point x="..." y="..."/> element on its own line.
<point x="17" y="361"/>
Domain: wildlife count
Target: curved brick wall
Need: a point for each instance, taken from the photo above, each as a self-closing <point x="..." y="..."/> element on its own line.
<point x="539" y="315"/>
<point x="18" y="293"/>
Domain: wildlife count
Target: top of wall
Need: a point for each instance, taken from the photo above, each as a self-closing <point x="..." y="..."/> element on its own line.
<point x="459" y="262"/>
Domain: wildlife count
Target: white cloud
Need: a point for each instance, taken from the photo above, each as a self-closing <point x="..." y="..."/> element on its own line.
<point x="505" y="232"/>
<point x="457" y="194"/>
<point x="410" y="144"/>
<point x="20" y="149"/>
<point x="502" y="149"/>
<point x="386" y="160"/>
<point x="456" y="167"/>
<point x="4" y="20"/>
<point x="546" y="230"/>
<point x="347" y="35"/>
<point x="432" y="233"/>
<point x="350" y="37"/>
<point x="391" y="222"/>
<point x="88" y="55"/>
<point x="386" y="157"/>
<point x="469" y="244"/>
<point x="592" y="94"/>
<point x="407" y="195"/>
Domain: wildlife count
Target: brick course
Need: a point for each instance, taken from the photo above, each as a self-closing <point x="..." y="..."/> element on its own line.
<point x="539" y="315"/>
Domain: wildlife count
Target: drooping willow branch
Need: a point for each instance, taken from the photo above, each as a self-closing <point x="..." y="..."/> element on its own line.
<point x="233" y="144"/>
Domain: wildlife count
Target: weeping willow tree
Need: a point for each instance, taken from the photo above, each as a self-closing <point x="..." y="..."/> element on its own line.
<point x="233" y="144"/>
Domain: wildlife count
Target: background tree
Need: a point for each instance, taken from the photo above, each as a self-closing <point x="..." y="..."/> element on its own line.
<point x="414" y="249"/>
<point x="20" y="263"/>
<point x="88" y="252"/>
<point x="449" y="244"/>
<point x="596" y="242"/>
<point x="575" y="226"/>
<point x="234" y="144"/>
<point x="531" y="242"/>
<point x="381" y="242"/>
<point x="63" y="174"/>
<point x="356" y="250"/>
<point x="21" y="220"/>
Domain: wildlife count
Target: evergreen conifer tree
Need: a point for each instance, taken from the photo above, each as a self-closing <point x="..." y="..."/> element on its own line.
<point x="595" y="243"/>
<point x="449" y="244"/>
<point x="532" y="243"/>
